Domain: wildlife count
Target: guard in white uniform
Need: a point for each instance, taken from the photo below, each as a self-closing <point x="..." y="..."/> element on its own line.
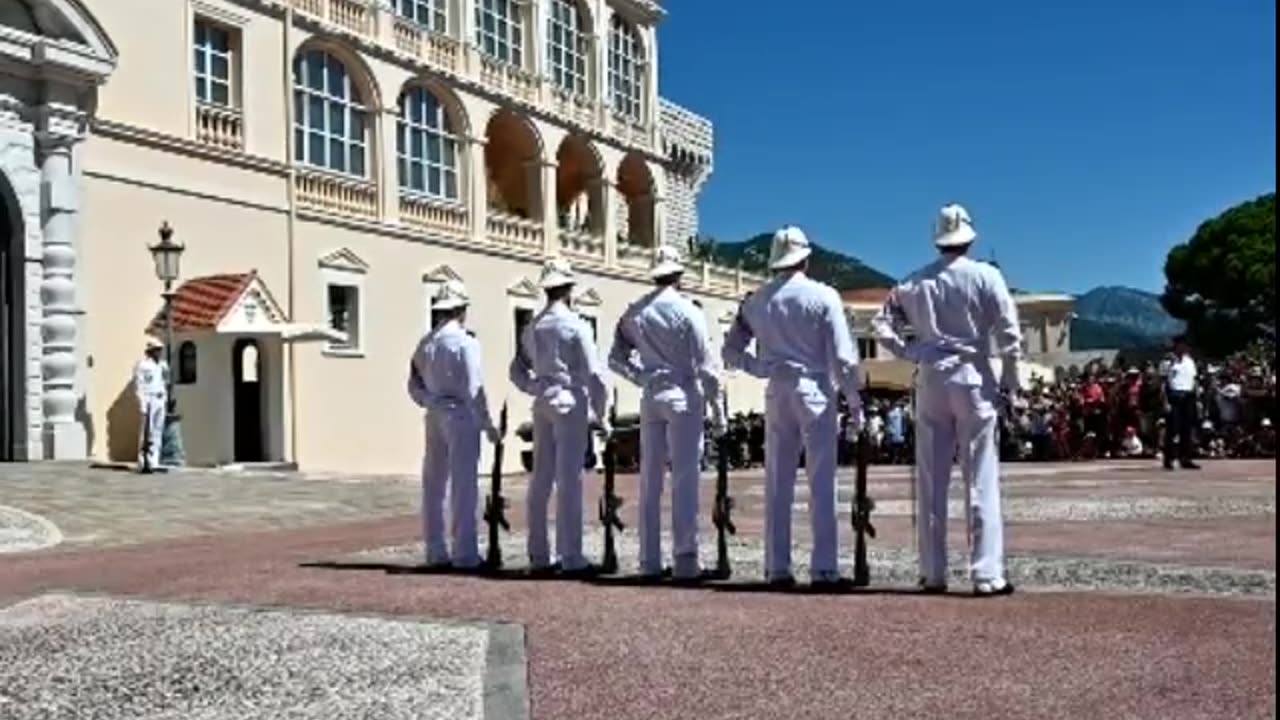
<point x="150" y="377"/>
<point x="960" y="311"/>
<point x="446" y="380"/>
<point x="805" y="350"/>
<point x="660" y="345"/>
<point x="561" y="369"/>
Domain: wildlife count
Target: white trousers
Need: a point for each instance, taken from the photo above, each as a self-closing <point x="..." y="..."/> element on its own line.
<point x="800" y="414"/>
<point x="958" y="421"/>
<point x="670" y="433"/>
<point x="153" y="423"/>
<point x="450" y="467"/>
<point x="559" y="452"/>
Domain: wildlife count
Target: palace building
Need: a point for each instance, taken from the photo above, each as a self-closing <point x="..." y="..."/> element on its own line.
<point x="326" y="164"/>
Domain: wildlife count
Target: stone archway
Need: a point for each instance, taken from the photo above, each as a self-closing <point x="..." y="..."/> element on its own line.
<point x="579" y="197"/>
<point x="511" y="154"/>
<point x="76" y="57"/>
<point x="636" y="212"/>
<point x="13" y="376"/>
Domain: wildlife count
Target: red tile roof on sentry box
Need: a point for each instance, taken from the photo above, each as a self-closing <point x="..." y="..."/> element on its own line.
<point x="201" y="303"/>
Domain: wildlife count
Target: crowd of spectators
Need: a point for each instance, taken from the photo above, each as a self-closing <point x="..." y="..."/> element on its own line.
<point x="1113" y="410"/>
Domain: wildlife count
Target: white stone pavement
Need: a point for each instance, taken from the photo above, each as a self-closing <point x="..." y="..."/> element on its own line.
<point x="66" y="656"/>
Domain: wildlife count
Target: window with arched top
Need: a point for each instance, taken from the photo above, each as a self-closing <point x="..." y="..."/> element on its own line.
<point x="626" y="69"/>
<point x="567" y="46"/>
<point x="186" y="374"/>
<point x="426" y="146"/>
<point x="330" y="126"/>
<point x="431" y="15"/>
<point x="500" y="30"/>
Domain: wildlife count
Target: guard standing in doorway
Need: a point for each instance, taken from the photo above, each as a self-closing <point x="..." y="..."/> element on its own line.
<point x="150" y="383"/>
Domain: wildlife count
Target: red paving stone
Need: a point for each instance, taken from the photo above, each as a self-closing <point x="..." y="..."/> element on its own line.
<point x="652" y="653"/>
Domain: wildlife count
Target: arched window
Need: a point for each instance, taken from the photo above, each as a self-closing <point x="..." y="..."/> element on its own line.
<point x="626" y="69"/>
<point x="567" y="46"/>
<point x="330" y="130"/>
<point x="432" y="15"/>
<point x="500" y="30"/>
<point x="186" y="363"/>
<point x="426" y="146"/>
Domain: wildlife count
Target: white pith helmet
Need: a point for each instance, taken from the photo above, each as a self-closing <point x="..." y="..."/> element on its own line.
<point x="666" y="261"/>
<point x="790" y="247"/>
<point x="452" y="295"/>
<point x="556" y="272"/>
<point x="953" y="227"/>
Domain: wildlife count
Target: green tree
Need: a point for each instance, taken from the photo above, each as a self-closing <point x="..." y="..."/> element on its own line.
<point x="1222" y="281"/>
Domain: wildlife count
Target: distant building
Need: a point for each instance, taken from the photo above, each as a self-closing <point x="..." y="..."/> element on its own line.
<point x="1045" y="319"/>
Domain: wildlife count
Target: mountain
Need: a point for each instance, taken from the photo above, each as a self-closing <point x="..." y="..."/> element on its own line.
<point x="1121" y="318"/>
<point x="832" y="267"/>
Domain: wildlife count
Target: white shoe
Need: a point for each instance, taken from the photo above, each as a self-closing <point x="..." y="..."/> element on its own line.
<point x="990" y="588"/>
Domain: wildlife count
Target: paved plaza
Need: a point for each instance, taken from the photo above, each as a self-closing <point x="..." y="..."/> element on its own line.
<point x="218" y="595"/>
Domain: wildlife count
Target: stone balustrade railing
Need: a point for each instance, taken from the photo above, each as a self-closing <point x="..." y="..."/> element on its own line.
<point x="337" y="194"/>
<point x="430" y="214"/>
<point x="581" y="245"/>
<point x="514" y="231"/>
<point x="219" y="126"/>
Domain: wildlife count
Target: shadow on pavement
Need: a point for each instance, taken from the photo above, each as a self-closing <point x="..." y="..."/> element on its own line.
<point x="712" y="583"/>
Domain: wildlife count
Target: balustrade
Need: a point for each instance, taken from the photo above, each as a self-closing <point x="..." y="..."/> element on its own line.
<point x="219" y="126"/>
<point x="337" y="194"/>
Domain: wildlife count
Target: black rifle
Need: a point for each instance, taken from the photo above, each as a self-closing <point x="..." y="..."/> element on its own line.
<point x="862" y="507"/>
<point x="722" y="510"/>
<point x="495" y="506"/>
<point x="609" y="501"/>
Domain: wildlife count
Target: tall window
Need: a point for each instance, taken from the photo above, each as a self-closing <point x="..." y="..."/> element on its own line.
<point x="500" y="30"/>
<point x="567" y="46"/>
<point x="426" y="146"/>
<point x="626" y="69"/>
<point x="213" y="48"/>
<point x="430" y="14"/>
<point x="329" y="118"/>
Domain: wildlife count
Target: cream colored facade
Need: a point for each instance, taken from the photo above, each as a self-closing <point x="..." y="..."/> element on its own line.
<point x="345" y="157"/>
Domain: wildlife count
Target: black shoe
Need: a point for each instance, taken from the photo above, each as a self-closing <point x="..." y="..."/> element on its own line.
<point x="1188" y="465"/>
<point x="582" y="573"/>
<point x="784" y="581"/>
<point x="833" y="584"/>
<point x="654" y="578"/>
<point x="929" y="589"/>
<point x="545" y="571"/>
<point x="1168" y="466"/>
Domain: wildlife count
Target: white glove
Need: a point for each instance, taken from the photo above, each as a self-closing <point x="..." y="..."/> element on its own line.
<point x="493" y="434"/>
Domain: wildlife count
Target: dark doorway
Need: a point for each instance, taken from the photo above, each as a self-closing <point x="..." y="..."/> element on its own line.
<point x="246" y="363"/>
<point x="12" y="312"/>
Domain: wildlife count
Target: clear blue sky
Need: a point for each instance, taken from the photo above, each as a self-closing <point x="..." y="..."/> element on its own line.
<point x="1086" y="137"/>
